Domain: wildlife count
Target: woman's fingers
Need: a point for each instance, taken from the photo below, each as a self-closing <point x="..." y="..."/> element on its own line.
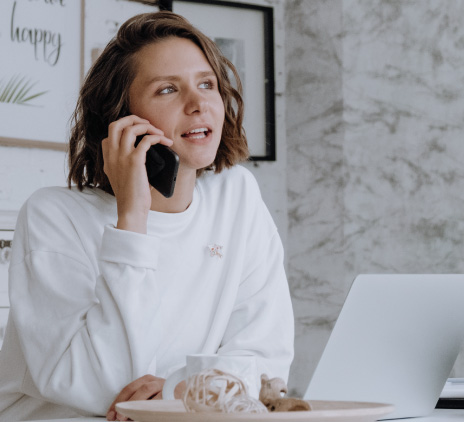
<point x="116" y="128"/>
<point x="111" y="145"/>
<point x="124" y="166"/>
<point x="123" y="133"/>
<point x="148" y="390"/>
<point x="115" y="131"/>
<point x="142" y="388"/>
<point x="130" y="133"/>
<point x="149" y="140"/>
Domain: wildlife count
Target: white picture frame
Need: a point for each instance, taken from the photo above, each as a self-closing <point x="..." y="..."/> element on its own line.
<point x="40" y="75"/>
<point x="102" y="21"/>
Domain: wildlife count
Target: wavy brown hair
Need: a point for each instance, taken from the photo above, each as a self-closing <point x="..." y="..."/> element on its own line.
<point x="104" y="96"/>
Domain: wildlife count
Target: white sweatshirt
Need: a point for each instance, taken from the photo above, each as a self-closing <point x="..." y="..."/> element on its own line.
<point x="93" y="307"/>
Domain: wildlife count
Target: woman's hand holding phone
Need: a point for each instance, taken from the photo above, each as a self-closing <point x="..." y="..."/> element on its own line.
<point x="125" y="167"/>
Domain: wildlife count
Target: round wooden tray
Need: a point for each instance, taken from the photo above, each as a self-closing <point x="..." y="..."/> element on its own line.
<point x="323" y="411"/>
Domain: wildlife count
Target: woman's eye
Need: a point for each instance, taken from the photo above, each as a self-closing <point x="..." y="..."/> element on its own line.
<point x="167" y="90"/>
<point x="207" y="85"/>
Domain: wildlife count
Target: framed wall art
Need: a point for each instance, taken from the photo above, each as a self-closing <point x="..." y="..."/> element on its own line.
<point x="244" y="33"/>
<point x="103" y="19"/>
<point x="40" y="45"/>
<point x="47" y="46"/>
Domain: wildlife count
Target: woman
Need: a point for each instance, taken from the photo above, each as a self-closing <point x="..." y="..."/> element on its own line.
<point x="112" y="284"/>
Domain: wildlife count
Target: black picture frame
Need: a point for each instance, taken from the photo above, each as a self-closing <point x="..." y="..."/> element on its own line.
<point x="264" y="148"/>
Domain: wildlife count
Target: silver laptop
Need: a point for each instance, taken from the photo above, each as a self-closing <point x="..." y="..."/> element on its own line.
<point x="395" y="341"/>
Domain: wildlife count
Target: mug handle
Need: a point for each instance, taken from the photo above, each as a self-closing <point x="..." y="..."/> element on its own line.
<point x="171" y="382"/>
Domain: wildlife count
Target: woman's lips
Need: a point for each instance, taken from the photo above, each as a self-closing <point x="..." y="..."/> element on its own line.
<point x="197" y="134"/>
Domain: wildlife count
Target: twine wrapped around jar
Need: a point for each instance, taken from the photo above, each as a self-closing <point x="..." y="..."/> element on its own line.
<point x="212" y="390"/>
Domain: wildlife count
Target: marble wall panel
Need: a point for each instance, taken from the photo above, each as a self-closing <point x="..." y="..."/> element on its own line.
<point x="315" y="136"/>
<point x="403" y="113"/>
<point x="375" y="127"/>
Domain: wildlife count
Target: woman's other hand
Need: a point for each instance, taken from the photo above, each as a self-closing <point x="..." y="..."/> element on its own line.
<point x="125" y="167"/>
<point x="147" y="387"/>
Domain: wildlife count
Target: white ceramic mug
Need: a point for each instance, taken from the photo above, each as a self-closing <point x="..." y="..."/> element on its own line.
<point x="242" y="366"/>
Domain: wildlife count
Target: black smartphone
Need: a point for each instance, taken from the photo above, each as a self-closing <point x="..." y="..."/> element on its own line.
<point x="162" y="164"/>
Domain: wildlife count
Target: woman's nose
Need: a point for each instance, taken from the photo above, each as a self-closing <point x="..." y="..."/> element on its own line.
<point x="195" y="102"/>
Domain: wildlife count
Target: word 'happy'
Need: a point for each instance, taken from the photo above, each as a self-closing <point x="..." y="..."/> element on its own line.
<point x="47" y="44"/>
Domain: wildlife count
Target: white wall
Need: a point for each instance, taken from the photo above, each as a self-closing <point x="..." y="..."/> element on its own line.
<point x="24" y="170"/>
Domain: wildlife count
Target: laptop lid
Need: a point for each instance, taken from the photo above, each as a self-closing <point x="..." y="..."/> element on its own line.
<point x="395" y="341"/>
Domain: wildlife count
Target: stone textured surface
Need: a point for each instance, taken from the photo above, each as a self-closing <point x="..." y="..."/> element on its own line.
<point x="375" y="125"/>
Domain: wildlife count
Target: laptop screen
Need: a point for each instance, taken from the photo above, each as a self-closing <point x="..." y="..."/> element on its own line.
<point x="395" y="341"/>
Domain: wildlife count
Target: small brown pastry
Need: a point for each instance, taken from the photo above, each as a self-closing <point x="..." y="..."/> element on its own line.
<point x="287" y="404"/>
<point x="272" y="395"/>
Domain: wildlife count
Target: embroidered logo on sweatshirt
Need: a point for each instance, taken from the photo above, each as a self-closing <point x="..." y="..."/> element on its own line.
<point x="215" y="250"/>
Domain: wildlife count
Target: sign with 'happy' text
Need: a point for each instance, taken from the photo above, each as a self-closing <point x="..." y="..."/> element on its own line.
<point x="40" y="42"/>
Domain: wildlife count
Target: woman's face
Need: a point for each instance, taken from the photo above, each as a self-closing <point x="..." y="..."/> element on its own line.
<point x="176" y="89"/>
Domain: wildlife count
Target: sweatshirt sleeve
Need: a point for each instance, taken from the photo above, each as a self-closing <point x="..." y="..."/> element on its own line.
<point x="262" y="320"/>
<point x="83" y="336"/>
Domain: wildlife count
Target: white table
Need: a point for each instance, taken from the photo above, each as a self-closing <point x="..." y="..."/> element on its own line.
<point x="438" y="415"/>
<point x="442" y="415"/>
